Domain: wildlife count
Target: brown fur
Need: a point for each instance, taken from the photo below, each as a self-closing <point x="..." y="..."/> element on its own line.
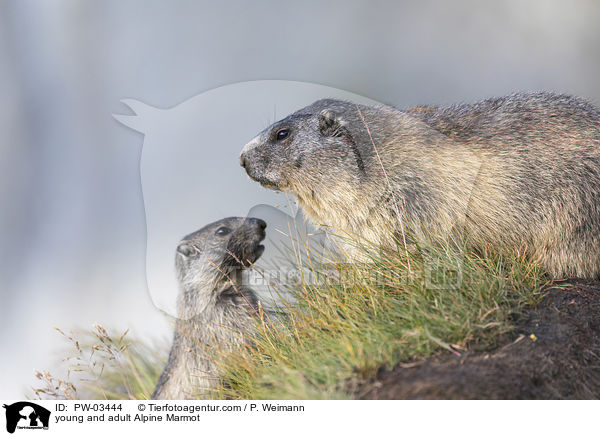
<point x="216" y="312"/>
<point x="517" y="173"/>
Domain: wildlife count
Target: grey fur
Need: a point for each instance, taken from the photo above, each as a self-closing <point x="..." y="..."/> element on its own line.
<point x="214" y="308"/>
<point x="516" y="173"/>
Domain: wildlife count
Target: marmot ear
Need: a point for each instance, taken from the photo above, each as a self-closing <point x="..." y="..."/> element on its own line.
<point x="187" y="249"/>
<point x="330" y="123"/>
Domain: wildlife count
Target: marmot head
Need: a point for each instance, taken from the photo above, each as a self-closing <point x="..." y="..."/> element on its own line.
<point x="220" y="248"/>
<point x="314" y="148"/>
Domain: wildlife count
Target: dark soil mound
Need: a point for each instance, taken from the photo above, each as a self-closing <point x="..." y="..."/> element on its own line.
<point x="562" y="360"/>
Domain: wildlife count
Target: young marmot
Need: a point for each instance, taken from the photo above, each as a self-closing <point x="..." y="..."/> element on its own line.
<point x="520" y="172"/>
<point x="214" y="308"/>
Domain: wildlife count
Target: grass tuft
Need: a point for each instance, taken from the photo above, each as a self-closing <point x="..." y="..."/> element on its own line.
<point x="102" y="365"/>
<point x="400" y="306"/>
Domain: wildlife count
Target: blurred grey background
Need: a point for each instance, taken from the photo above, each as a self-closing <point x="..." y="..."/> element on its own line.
<point x="72" y="228"/>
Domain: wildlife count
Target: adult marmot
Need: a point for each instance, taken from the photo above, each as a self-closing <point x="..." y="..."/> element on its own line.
<point x="509" y="173"/>
<point x="214" y="308"/>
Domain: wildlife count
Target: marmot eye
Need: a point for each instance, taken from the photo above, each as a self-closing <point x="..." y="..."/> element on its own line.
<point x="222" y="231"/>
<point x="282" y="134"/>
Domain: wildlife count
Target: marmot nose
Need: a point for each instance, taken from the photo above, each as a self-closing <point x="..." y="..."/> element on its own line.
<point x="261" y="223"/>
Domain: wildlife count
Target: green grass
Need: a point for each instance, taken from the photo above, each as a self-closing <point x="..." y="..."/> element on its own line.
<point x="400" y="306"/>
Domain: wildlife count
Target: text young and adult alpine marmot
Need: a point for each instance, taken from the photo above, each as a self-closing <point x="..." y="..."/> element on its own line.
<point x="214" y="308"/>
<point x="520" y="172"/>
